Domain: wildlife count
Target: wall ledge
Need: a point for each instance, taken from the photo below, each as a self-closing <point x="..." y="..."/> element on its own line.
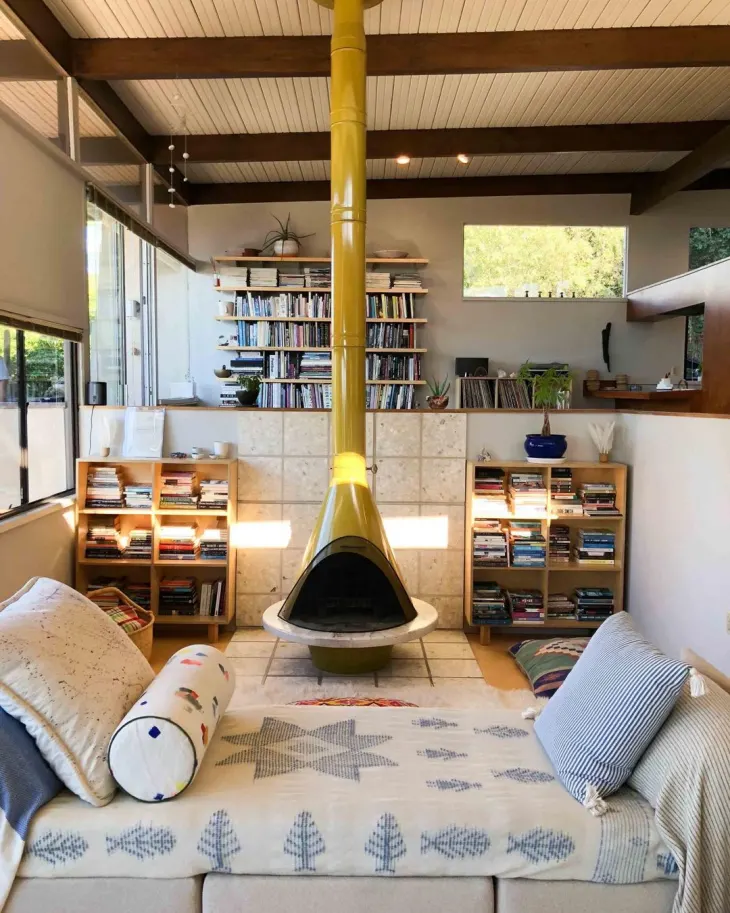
<point x="52" y="506"/>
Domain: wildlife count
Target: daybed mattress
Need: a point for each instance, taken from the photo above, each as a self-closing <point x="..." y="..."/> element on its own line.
<point x="358" y="792"/>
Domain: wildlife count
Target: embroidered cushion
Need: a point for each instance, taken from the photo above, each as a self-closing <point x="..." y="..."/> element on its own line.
<point x="547" y="663"/>
<point x="353" y="702"/>
<point x="68" y="674"/>
<point x="157" y="749"/>
<point x="608" y="710"/>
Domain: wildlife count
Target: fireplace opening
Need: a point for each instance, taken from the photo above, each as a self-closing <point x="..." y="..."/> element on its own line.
<point x="349" y="586"/>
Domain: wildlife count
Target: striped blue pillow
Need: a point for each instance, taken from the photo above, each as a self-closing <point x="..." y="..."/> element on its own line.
<point x="608" y="710"/>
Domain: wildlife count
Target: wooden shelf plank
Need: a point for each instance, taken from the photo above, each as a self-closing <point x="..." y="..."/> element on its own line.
<point x="575" y="567"/>
<point x="228" y="258"/>
<point x="107" y="562"/>
<point x="115" y="511"/>
<point x="296" y="289"/>
<point x="198" y="562"/>
<point x="191" y="619"/>
<point x="194" y="512"/>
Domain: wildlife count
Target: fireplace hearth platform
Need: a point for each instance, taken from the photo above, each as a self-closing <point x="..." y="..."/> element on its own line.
<point x="350" y="652"/>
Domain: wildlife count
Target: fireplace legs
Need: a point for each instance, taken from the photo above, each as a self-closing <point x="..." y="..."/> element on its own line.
<point x="347" y="661"/>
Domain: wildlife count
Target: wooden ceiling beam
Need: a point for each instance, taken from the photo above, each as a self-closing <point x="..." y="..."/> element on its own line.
<point x="404" y="55"/>
<point x="510" y="185"/>
<point x="21" y="60"/>
<point x="383" y="144"/>
<point x="711" y="154"/>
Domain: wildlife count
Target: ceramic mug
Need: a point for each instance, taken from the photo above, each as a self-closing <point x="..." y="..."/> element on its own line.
<point x="226" y="308"/>
<point x="220" y="449"/>
<point x="197" y="453"/>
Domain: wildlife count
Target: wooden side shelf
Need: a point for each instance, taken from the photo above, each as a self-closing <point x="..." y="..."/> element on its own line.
<point x="152" y="570"/>
<point x="554" y="577"/>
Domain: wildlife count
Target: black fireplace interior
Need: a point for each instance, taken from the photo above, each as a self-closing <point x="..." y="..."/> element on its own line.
<point x="350" y="586"/>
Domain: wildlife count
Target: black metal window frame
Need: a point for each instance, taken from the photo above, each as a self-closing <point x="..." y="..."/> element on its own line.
<point x="72" y="401"/>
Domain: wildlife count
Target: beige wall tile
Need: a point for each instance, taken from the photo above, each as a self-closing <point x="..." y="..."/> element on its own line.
<point x="305" y="433"/>
<point x="260" y="433"/>
<point x="305" y="478"/>
<point x="397" y="434"/>
<point x="450" y="609"/>
<point x="258" y="570"/>
<point x="258" y="512"/>
<point x="260" y="479"/>
<point x="398" y="510"/>
<point x="444" y="435"/>
<point x="456" y="518"/>
<point x="407" y="562"/>
<point x="397" y="479"/>
<point x="250" y="607"/>
<point x="442" y="572"/>
<point x="443" y="481"/>
<point x="291" y="565"/>
<point x="302" y="518"/>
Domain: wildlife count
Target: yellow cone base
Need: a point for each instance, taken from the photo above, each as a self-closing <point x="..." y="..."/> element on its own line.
<point x="346" y="661"/>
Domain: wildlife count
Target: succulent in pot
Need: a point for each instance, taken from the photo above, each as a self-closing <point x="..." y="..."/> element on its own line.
<point x="282" y="240"/>
<point x="550" y="389"/>
<point x="249" y="392"/>
<point x="439" y="398"/>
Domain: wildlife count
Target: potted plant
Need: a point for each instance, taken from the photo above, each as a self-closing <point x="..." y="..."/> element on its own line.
<point x="550" y="389"/>
<point x="282" y="240"/>
<point x="249" y="392"/>
<point x="439" y="398"/>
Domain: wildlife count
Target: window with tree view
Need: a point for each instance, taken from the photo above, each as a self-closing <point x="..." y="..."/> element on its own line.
<point x="548" y="261"/>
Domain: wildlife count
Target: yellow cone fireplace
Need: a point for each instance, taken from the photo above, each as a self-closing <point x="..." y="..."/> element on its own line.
<point x="350" y="603"/>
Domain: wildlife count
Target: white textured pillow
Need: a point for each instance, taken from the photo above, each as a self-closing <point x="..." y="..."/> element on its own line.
<point x="69" y="674"/>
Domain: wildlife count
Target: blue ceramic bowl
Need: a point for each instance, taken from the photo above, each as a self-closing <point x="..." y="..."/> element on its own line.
<point x="546" y="447"/>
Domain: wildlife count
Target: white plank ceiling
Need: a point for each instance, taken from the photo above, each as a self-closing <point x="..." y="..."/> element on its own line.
<point x="479" y="166"/>
<point x="8" y="32"/>
<point x="434" y="102"/>
<point x="217" y="18"/>
<point x="36" y="103"/>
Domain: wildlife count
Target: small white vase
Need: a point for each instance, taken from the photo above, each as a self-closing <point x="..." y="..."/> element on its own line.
<point x="289" y="248"/>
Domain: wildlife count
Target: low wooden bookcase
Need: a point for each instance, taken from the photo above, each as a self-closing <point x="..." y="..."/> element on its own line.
<point x="152" y="570"/>
<point x="553" y="577"/>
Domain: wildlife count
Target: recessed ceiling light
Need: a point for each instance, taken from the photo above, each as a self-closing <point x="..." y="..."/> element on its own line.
<point x="403" y="160"/>
<point x="464" y="159"/>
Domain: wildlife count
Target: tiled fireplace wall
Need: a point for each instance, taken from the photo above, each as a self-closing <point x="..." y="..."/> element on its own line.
<point x="283" y="472"/>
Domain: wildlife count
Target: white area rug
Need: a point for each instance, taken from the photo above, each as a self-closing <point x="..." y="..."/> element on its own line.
<point x="291" y="676"/>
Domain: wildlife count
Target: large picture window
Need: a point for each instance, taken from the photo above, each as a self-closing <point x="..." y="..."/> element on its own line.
<point x="544" y="261"/>
<point x="37" y="416"/>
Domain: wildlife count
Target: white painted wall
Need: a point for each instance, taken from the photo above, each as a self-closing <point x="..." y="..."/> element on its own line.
<point x="39" y="544"/>
<point x="679" y="533"/>
<point x="507" y="331"/>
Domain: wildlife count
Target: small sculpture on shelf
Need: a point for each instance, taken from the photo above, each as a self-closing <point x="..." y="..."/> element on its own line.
<point x="550" y="389"/>
<point x="439" y="398"/>
<point x="249" y="392"/>
<point x="665" y="383"/>
<point x="222" y="372"/>
<point x="484" y="456"/>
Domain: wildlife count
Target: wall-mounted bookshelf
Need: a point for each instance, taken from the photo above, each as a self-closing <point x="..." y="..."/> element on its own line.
<point x="522" y="540"/>
<point x="498" y="393"/>
<point x="278" y="328"/>
<point x="147" y="579"/>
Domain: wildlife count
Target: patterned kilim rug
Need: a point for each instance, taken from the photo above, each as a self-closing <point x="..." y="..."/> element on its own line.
<point x="270" y="673"/>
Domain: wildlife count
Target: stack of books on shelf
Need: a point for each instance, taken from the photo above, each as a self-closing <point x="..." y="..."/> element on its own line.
<point x="317" y="276"/>
<point x="375" y="278"/>
<point x="393" y="367"/>
<point x="179" y="543"/>
<point x="489" y="487"/>
<point x="139" y="544"/>
<point x="528" y="495"/>
<point x="599" y="499"/>
<point x="514" y="394"/>
<point x="407" y="280"/>
<point x="316" y="365"/>
<point x="263" y="276"/>
<point x="281" y="365"/>
<point x="595" y="546"/>
<point x="104" y="487"/>
<point x="527" y="543"/>
<point x="102" y="540"/>
<point x="391" y="336"/>
<point x="214" y="545"/>
<point x="489" y="604"/>
<point x="212" y="598"/>
<point x="559" y="544"/>
<point x="383" y="306"/>
<point x="248" y="364"/>
<point x="290" y="278"/>
<point x="213" y="494"/>
<point x="138" y="495"/>
<point x="560" y="606"/>
<point x="178" y="596"/>
<point x="593" y="603"/>
<point x="526" y="607"/>
<point x="564" y="501"/>
<point x="233" y="277"/>
<point x="388" y="396"/>
<point x="179" y="490"/>
<point x="476" y="393"/>
<point x="228" y="396"/>
<point x="268" y="333"/>
<point x="295" y="396"/>
<point x="490" y="544"/>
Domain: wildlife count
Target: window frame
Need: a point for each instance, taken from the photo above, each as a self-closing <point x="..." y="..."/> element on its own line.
<point x="71" y="364"/>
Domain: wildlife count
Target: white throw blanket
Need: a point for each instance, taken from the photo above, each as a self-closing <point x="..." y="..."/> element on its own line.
<point x="358" y="791"/>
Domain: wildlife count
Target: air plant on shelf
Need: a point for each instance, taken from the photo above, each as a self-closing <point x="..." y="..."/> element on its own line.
<point x="282" y="240"/>
<point x="439" y="398"/>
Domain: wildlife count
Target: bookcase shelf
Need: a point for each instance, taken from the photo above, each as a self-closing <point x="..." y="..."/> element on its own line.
<point x="484" y="393"/>
<point x="554" y="577"/>
<point x="320" y="320"/>
<point x="152" y="570"/>
<point x="310" y="349"/>
<point x="299" y="290"/>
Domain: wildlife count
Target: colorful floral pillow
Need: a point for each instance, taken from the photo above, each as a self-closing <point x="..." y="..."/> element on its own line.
<point x="547" y="663"/>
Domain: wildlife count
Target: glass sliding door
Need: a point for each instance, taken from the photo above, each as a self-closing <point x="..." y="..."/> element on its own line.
<point x="11" y="452"/>
<point x="105" y="271"/>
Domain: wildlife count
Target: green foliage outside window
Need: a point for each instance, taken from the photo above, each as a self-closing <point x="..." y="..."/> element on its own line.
<point x="708" y="245"/>
<point x="549" y="260"/>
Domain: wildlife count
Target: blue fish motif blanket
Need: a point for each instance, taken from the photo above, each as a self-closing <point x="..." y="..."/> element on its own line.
<point x="358" y="791"/>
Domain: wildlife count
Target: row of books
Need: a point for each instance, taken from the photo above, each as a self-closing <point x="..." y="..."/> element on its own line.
<point x="476" y="393"/>
<point x="527" y="494"/>
<point x="393" y="367"/>
<point x="318" y="365"/>
<point x="391" y="336"/>
<point x="319" y="396"/>
<point x="494" y="605"/>
<point x="268" y="333"/>
<point x="390" y="396"/>
<point x="522" y="544"/>
<point x="383" y="306"/>
<point x="528" y="547"/>
<point x="286" y="304"/>
<point x="317" y="276"/>
<point x="180" y="596"/>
